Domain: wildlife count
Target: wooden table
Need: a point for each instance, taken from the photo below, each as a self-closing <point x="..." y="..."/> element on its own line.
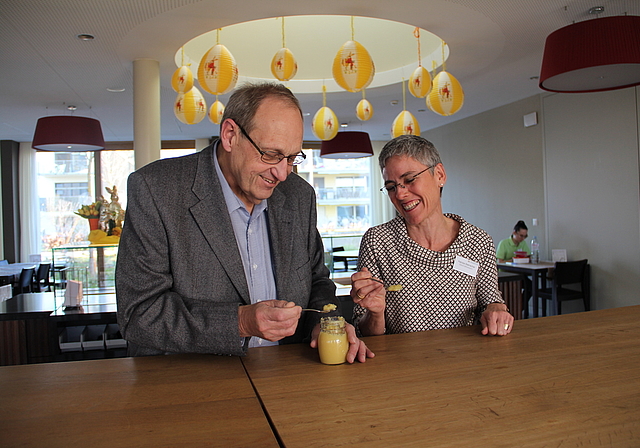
<point x="538" y="274"/>
<point x="570" y="380"/>
<point x="182" y="400"/>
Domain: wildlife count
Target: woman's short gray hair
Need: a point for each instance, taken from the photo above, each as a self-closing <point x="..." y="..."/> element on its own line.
<point x="413" y="146"/>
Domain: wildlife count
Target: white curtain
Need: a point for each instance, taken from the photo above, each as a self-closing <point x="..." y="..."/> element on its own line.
<point x="29" y="210"/>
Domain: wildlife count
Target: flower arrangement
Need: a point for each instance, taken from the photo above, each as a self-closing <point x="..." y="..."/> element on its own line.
<point x="90" y="211"/>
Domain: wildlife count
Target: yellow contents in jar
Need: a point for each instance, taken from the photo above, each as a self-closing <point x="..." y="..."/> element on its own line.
<point x="333" y="344"/>
<point x="329" y="307"/>
<point x="394" y="288"/>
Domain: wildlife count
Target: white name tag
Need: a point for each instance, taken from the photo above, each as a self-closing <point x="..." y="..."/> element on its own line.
<point x="465" y="266"/>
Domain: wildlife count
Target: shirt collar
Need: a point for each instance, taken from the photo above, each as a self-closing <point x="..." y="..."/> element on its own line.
<point x="233" y="202"/>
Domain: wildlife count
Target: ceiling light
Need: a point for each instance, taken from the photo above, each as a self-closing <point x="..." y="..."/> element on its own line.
<point x="72" y="108"/>
<point x="85" y="36"/>
<point x="592" y="56"/>
<point x="347" y="145"/>
<point x="596" y="10"/>
<point x="115" y="89"/>
<point x="68" y="133"/>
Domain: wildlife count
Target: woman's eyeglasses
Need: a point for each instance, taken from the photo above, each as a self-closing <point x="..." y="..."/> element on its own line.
<point x="390" y="186"/>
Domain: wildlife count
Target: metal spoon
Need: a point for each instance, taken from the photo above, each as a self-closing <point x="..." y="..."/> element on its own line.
<point x="317" y="311"/>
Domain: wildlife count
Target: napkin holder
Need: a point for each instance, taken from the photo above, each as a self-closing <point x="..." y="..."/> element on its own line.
<point x="73" y="294"/>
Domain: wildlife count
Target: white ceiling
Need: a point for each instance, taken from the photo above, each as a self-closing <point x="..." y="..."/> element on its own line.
<point x="496" y="47"/>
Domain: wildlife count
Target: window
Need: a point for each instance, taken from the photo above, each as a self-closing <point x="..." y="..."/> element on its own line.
<point x="343" y="192"/>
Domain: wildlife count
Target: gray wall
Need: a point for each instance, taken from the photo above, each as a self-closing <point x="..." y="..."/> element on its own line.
<point x="577" y="172"/>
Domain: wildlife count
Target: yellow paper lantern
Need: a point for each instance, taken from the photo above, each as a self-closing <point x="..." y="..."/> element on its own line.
<point x="405" y="124"/>
<point x="353" y="68"/>
<point x="420" y="82"/>
<point x="218" y="72"/>
<point x="284" y="65"/>
<point x="216" y="111"/>
<point x="446" y="97"/>
<point x="364" y="110"/>
<point x="325" y="124"/>
<point x="190" y="107"/>
<point x="182" y="79"/>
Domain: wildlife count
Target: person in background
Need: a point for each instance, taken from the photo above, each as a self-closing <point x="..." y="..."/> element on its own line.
<point x="445" y="265"/>
<point x="516" y="242"/>
<point x="220" y="250"/>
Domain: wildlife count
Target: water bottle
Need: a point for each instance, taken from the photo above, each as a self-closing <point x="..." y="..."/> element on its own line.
<point x="535" y="250"/>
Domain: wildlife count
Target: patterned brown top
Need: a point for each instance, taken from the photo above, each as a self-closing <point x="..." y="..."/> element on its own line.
<point x="434" y="296"/>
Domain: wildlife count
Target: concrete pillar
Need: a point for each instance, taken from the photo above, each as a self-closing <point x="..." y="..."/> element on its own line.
<point x="146" y="111"/>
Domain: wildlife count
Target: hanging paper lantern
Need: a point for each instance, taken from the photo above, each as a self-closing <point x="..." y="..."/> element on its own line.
<point x="405" y="124"/>
<point x="218" y="72"/>
<point x="353" y="68"/>
<point x="182" y="79"/>
<point x="190" y="107"/>
<point x="420" y="82"/>
<point x="284" y="65"/>
<point x="364" y="110"/>
<point x="216" y="111"/>
<point x="446" y="97"/>
<point x="325" y="124"/>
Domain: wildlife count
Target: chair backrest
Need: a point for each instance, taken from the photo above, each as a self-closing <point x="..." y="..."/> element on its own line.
<point x="43" y="273"/>
<point x="26" y="276"/>
<point x="2" y="262"/>
<point x="569" y="272"/>
<point x="337" y="249"/>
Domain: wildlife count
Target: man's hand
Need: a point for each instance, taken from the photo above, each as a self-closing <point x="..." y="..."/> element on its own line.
<point x="496" y="320"/>
<point x="357" y="348"/>
<point x="271" y="319"/>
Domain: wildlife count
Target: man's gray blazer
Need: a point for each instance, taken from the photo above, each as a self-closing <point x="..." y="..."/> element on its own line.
<point x="179" y="275"/>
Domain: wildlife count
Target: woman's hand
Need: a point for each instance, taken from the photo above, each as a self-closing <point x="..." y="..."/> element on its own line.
<point x="370" y="295"/>
<point x="496" y="320"/>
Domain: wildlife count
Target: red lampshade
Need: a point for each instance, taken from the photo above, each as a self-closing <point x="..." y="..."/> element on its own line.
<point x="592" y="56"/>
<point x="347" y="145"/>
<point x="68" y="133"/>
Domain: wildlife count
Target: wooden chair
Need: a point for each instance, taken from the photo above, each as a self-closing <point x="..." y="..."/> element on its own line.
<point x="24" y="283"/>
<point x="569" y="273"/>
<point x="41" y="281"/>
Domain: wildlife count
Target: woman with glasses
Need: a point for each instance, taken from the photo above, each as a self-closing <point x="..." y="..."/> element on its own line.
<point x="516" y="242"/>
<point x="446" y="267"/>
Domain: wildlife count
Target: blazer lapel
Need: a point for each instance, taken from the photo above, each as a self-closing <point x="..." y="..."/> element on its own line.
<point x="212" y="217"/>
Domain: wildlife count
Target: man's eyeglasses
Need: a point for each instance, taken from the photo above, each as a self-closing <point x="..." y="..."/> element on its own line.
<point x="390" y="187"/>
<point x="273" y="157"/>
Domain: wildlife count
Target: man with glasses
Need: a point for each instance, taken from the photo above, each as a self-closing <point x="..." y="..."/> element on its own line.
<point x="220" y="250"/>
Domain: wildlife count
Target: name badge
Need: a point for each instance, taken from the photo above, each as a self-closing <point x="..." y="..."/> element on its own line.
<point x="465" y="266"/>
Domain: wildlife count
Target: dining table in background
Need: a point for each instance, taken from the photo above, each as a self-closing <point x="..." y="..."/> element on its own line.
<point x="12" y="270"/>
<point x="538" y="273"/>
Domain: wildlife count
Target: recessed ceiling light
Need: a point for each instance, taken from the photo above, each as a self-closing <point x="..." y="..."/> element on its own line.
<point x="116" y="89"/>
<point x="422" y="110"/>
<point x="394" y="102"/>
<point x="343" y="125"/>
<point x="85" y="36"/>
<point x="534" y="77"/>
<point x="71" y="107"/>
<point x="596" y="10"/>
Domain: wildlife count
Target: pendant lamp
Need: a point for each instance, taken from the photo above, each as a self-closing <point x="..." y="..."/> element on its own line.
<point x="68" y="133"/>
<point x="347" y="145"/>
<point x="592" y="56"/>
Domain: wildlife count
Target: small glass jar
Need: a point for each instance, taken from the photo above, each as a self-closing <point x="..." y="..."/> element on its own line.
<point x="333" y="344"/>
